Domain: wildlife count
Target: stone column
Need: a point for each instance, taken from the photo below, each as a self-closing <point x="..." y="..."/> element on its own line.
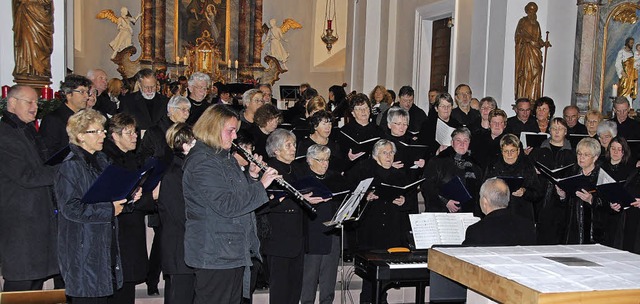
<point x="588" y="15"/>
<point x="159" y="30"/>
<point x="147" y="30"/>
<point x="243" y="32"/>
<point x="257" y="34"/>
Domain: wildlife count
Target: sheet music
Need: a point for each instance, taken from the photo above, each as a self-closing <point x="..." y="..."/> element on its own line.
<point x="440" y="228"/>
<point x="604" y="178"/>
<point x="349" y="206"/>
<point x="443" y="133"/>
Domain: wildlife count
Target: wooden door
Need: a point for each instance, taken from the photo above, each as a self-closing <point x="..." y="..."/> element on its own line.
<point x="440" y="53"/>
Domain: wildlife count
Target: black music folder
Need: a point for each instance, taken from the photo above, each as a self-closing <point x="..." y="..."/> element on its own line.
<point x="58" y="157"/>
<point x="455" y="190"/>
<point x="531" y="139"/>
<point x="574" y="183"/>
<point x="555" y="173"/>
<point x="358" y="146"/>
<point x="391" y="192"/>
<point x="415" y="152"/>
<point x="514" y="182"/>
<point x="115" y="183"/>
<point x="574" y="139"/>
<point x="155" y="175"/>
<point x="615" y="193"/>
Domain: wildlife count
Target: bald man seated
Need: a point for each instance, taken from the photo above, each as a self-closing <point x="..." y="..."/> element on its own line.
<point x="500" y="227"/>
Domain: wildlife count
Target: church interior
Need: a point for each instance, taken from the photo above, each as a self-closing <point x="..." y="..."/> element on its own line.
<point x="357" y="44"/>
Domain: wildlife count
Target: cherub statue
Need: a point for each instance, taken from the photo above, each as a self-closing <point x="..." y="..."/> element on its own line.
<point x="125" y="31"/>
<point x="275" y="37"/>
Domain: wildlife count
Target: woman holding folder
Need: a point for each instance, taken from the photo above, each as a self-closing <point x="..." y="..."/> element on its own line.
<point x="358" y="130"/>
<point x="620" y="165"/>
<point x="384" y="222"/>
<point x="88" y="249"/>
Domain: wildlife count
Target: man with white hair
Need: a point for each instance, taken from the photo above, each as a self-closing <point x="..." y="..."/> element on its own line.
<point x="198" y="89"/>
<point x="499" y="227"/>
<point x="103" y="104"/>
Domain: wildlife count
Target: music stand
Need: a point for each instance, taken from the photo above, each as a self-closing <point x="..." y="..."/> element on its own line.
<point x="345" y="212"/>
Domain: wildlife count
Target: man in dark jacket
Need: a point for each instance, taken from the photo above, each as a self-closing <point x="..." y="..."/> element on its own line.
<point x="417" y="116"/>
<point x="54" y="126"/>
<point x="27" y="211"/>
<point x="499" y="227"/>
<point x="523" y="121"/>
<point x="103" y="104"/>
<point x="146" y="105"/>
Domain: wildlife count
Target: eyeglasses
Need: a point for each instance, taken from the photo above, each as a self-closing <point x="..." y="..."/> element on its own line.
<point x="128" y="133"/>
<point x="31" y="102"/>
<point x="82" y="92"/>
<point x="587" y="155"/>
<point x="200" y="88"/>
<point x="96" y="132"/>
<point x="402" y="124"/>
<point x="388" y="153"/>
<point x="260" y="100"/>
<point x="361" y="109"/>
<point x="524" y="110"/>
<point x="321" y="160"/>
<point x="184" y="110"/>
<point x="592" y="121"/>
<point x="509" y="152"/>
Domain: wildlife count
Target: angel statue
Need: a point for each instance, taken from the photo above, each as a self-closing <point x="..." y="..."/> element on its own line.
<point x="275" y="36"/>
<point x="125" y="31"/>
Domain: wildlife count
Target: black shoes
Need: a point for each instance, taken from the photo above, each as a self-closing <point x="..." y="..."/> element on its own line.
<point x="153" y="290"/>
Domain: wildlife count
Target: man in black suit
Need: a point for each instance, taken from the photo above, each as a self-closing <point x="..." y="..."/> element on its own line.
<point x="54" y="125"/>
<point x="499" y="227"/>
<point x="523" y="121"/>
<point x="464" y="114"/>
<point x="571" y="115"/>
<point x="267" y="94"/>
<point x="146" y="105"/>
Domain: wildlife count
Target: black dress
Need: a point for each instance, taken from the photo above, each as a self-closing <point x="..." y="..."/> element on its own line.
<point x="610" y="218"/>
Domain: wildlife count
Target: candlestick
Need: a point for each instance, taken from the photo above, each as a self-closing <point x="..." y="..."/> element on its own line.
<point x="236" y="64"/>
<point x="5" y="90"/>
<point x="614" y="92"/>
<point x="177" y="59"/>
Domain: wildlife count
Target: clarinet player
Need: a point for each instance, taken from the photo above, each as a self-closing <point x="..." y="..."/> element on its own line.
<point x="220" y="200"/>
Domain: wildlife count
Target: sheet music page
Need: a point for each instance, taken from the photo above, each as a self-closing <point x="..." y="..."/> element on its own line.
<point x="443" y="133"/>
<point x="440" y="228"/>
<point x="604" y="178"/>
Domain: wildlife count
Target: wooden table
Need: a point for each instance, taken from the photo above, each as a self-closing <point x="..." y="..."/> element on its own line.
<point x="524" y="274"/>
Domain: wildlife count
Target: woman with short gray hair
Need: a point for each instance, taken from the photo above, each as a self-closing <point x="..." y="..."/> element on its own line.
<point x="585" y="207"/>
<point x="607" y="130"/>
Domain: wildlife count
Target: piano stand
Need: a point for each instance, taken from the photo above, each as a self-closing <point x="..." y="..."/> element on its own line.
<point x="380" y="287"/>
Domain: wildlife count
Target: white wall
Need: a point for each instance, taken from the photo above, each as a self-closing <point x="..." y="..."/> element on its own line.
<point x="7" y="61"/>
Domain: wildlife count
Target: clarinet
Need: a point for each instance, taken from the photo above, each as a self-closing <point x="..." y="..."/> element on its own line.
<point x="296" y="194"/>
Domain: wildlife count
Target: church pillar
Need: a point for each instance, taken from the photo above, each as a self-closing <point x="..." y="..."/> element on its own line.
<point x="588" y="15"/>
<point x="257" y="34"/>
<point x="147" y="30"/>
<point x="243" y="32"/>
<point x="159" y="30"/>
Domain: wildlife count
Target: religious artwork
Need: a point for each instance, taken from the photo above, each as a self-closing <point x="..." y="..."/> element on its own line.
<point x="197" y="16"/>
<point x="125" y="32"/>
<point x="33" y="41"/>
<point x="275" y="39"/>
<point x="621" y="56"/>
<point x="528" y="66"/>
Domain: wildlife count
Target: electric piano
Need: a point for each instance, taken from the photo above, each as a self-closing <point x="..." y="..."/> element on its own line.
<point x="383" y="269"/>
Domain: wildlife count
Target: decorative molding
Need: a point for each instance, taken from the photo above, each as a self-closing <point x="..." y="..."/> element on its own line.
<point x="626" y="13"/>
<point x="590" y="9"/>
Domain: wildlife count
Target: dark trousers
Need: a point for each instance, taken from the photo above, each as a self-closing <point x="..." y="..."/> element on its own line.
<point x="155" y="259"/>
<point x="101" y="300"/>
<point x="285" y="279"/>
<point x="179" y="288"/>
<point x="222" y="286"/>
<point x="23" y="285"/>
<point x="126" y="294"/>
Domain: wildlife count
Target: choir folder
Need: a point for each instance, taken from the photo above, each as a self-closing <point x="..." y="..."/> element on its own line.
<point x="115" y="183"/>
<point x="455" y="190"/>
<point x="358" y="146"/>
<point x="391" y="192"/>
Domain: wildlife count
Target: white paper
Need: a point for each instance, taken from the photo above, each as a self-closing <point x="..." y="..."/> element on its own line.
<point x="440" y="228"/>
<point x="443" y="133"/>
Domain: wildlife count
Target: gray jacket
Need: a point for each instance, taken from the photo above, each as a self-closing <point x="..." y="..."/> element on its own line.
<point x="220" y="231"/>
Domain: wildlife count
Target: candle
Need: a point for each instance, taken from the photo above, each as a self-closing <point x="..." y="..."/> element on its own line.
<point x="236" y="63"/>
<point x="186" y="60"/>
<point x="47" y="93"/>
<point x="229" y="64"/>
<point x="5" y="90"/>
<point x="614" y="92"/>
<point x="177" y="59"/>
<point x="329" y="24"/>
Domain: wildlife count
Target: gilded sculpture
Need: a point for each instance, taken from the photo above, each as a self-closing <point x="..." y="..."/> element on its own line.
<point x="33" y="40"/>
<point x="528" y="40"/>
<point x="626" y="71"/>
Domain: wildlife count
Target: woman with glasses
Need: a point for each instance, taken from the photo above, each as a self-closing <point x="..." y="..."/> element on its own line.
<point x="88" y="247"/>
<point x="582" y="226"/>
<point x="607" y="130"/>
<point x="251" y="100"/>
<point x="544" y="109"/>
<point x="120" y="148"/>
<point x="486" y="105"/>
<point x="591" y="120"/>
<point x="323" y="243"/>
<point x="453" y="162"/>
<point x="553" y="153"/>
<point x="427" y="136"/>
<point x="486" y="143"/>
<point x="513" y="165"/>
<point x="379" y="226"/>
<point x="154" y="143"/>
<point x="360" y="129"/>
